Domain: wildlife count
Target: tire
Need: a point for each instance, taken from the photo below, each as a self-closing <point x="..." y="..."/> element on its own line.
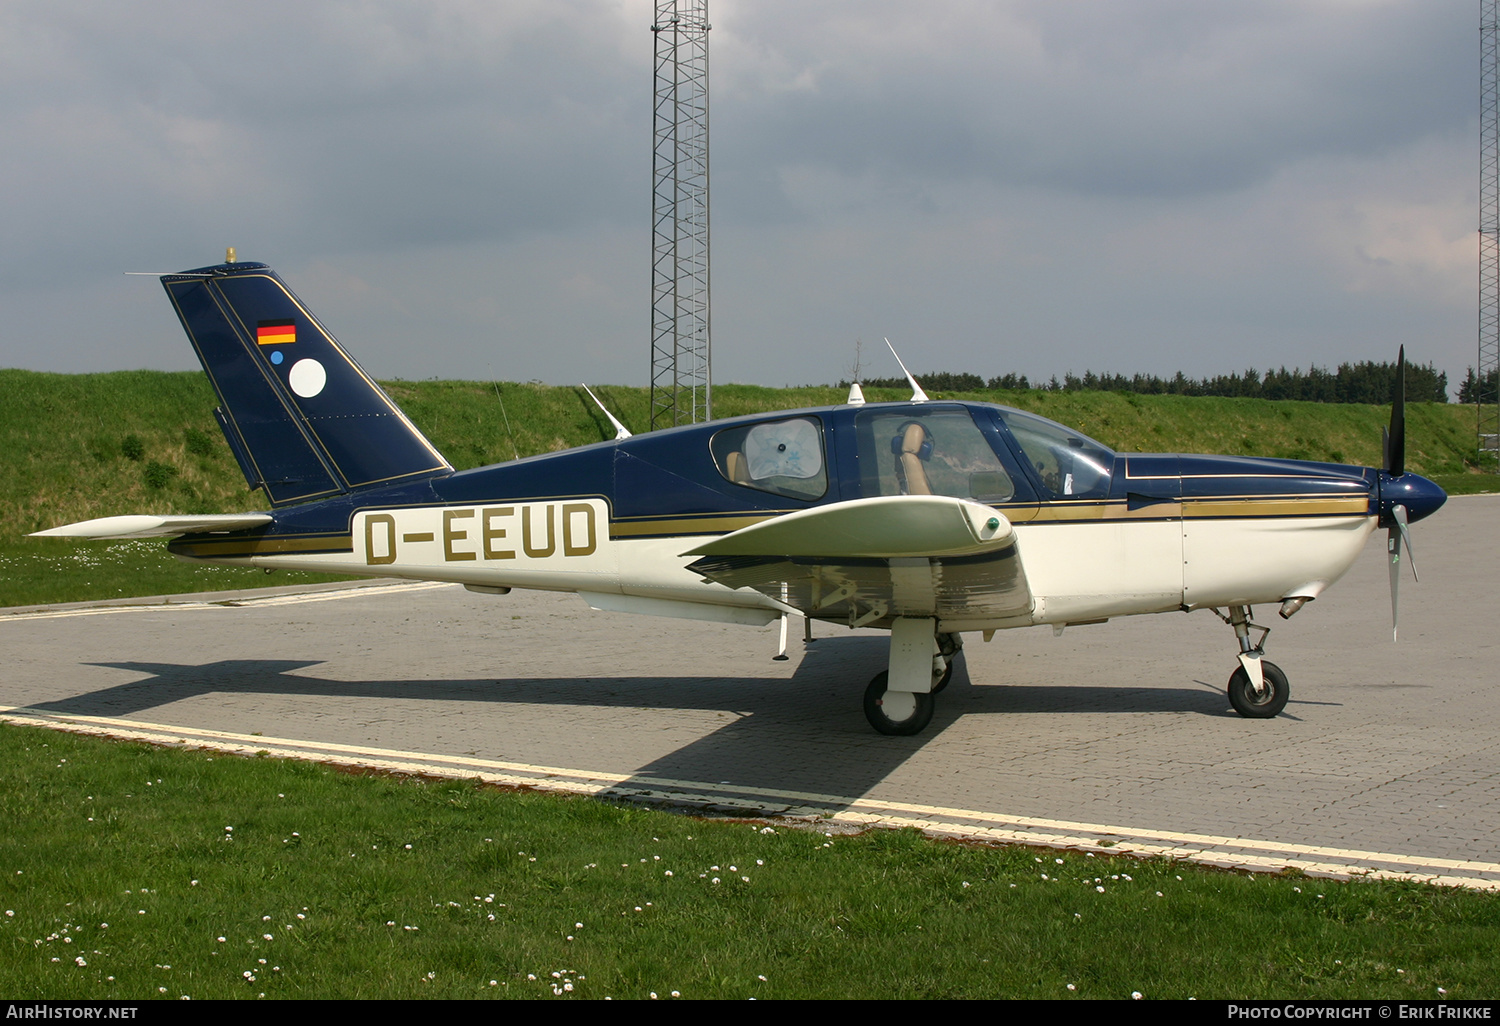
<point x="950" y="645"/>
<point x="1259" y="707"/>
<point x="942" y="682"/>
<point x="907" y="722"/>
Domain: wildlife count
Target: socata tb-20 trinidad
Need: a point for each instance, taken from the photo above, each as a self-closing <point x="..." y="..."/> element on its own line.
<point x="926" y="518"/>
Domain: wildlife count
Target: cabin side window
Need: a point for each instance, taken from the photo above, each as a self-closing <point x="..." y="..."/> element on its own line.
<point x="784" y="457"/>
<point x="929" y="451"/>
<point x="1069" y="465"/>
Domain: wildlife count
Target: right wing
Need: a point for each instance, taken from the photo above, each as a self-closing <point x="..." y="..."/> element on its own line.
<point x="871" y="560"/>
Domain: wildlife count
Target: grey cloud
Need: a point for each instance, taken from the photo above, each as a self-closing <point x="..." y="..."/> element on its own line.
<point x="316" y="127"/>
<point x="1139" y="99"/>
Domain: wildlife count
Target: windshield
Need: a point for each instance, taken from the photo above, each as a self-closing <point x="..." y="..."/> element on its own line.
<point x="1069" y="465"/>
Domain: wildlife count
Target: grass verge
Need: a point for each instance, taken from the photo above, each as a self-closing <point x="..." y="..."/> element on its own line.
<point x="130" y="872"/>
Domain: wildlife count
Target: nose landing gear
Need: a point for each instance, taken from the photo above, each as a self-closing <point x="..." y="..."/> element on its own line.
<point x="1258" y="689"/>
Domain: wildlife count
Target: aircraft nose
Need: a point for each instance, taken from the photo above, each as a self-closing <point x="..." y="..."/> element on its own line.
<point x="1420" y="496"/>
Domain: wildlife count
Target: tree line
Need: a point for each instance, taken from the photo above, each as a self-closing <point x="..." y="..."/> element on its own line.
<point x="1363" y="382"/>
<point x="1470" y="391"/>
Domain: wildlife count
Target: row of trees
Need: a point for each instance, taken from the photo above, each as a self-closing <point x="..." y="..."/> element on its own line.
<point x="1363" y="382"/>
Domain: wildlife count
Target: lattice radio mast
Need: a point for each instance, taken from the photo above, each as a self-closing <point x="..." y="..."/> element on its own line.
<point x="681" y="356"/>
<point x="1487" y="403"/>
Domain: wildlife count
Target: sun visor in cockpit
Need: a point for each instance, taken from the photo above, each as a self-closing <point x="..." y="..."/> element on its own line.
<point x="784" y="448"/>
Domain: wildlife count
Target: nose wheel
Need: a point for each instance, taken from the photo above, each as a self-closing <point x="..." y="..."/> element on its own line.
<point x="1263" y="704"/>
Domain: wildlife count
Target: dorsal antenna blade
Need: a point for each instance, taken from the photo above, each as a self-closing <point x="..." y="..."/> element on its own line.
<point x="917" y="395"/>
<point x="620" y="429"/>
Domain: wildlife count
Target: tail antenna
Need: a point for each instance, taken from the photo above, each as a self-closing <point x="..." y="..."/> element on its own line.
<point x="620" y="430"/>
<point x="917" y="395"/>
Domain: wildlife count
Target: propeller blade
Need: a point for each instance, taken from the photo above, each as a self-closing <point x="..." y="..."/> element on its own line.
<point x="1399" y="512"/>
<point x="1395" y="447"/>
<point x="1397" y="534"/>
<point x="1393" y="546"/>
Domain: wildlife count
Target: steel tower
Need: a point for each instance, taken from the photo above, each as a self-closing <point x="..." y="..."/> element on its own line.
<point x="1487" y="403"/>
<point x="681" y="356"/>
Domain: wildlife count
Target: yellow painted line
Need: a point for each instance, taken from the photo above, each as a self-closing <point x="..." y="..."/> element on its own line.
<point x="62" y="614"/>
<point x="859" y="812"/>
<point x="331" y="596"/>
<point x="238" y="603"/>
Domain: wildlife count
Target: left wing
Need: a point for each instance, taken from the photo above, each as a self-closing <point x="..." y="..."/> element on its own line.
<point x="875" y="559"/>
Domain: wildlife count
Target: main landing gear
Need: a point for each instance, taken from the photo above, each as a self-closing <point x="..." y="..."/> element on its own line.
<point x="1258" y="689"/>
<point x="899" y="700"/>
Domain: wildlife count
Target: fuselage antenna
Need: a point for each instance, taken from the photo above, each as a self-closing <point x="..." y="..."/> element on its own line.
<point x="621" y="431"/>
<point x="917" y="395"/>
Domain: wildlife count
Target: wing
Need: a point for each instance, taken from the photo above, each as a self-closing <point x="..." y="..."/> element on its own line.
<point x="142" y="526"/>
<point x="871" y="560"/>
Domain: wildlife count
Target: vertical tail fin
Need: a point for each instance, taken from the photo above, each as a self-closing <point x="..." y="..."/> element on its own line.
<point x="301" y="417"/>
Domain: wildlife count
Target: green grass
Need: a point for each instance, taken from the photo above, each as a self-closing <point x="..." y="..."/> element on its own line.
<point x="388" y="887"/>
<point x="93" y="445"/>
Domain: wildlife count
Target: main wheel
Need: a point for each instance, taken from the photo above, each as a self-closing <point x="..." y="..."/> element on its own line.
<point x="1259" y="707"/>
<point x="897" y="713"/>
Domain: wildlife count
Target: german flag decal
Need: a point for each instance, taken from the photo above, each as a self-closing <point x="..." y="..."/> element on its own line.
<point x="275" y="333"/>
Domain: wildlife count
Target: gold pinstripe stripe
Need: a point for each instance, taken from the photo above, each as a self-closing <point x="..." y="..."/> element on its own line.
<point x="222" y="548"/>
<point x="1277" y="507"/>
<point x="681" y="525"/>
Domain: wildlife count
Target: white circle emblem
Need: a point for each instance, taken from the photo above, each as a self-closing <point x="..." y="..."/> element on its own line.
<point x="307" y="378"/>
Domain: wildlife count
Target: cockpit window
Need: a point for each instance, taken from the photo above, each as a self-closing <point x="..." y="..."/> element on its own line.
<point x="780" y="456"/>
<point x="928" y="451"/>
<point x="1069" y="465"/>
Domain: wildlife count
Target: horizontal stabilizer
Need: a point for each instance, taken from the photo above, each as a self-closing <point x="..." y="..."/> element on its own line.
<point x="884" y="526"/>
<point x="141" y="526"/>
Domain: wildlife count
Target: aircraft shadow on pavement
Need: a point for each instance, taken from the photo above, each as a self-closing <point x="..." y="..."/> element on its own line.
<point x="805" y="734"/>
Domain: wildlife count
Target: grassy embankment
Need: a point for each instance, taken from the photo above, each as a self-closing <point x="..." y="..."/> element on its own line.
<point x="90" y="445"/>
<point x="130" y="872"/>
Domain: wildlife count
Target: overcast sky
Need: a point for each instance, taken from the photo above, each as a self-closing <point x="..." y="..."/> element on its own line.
<point x="462" y="189"/>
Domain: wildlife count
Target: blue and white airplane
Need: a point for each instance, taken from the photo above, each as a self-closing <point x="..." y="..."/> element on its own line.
<point x="927" y="518"/>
